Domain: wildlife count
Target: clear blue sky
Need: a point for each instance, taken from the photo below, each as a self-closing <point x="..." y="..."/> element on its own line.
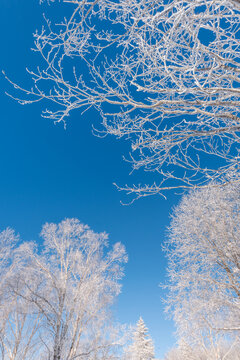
<point x="48" y="173"/>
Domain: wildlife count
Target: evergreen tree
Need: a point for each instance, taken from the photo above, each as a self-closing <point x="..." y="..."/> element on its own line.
<point x="142" y="347"/>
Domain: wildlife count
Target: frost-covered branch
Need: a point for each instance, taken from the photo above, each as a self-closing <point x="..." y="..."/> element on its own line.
<point x="204" y="264"/>
<point x="56" y="300"/>
<point x="163" y="74"/>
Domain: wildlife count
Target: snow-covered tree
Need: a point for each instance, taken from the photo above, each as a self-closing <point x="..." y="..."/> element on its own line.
<point x="221" y="351"/>
<point x="142" y="346"/>
<point x="203" y="250"/>
<point x="17" y="328"/>
<point x="8" y="240"/>
<point x="164" y="74"/>
<point x="58" y="295"/>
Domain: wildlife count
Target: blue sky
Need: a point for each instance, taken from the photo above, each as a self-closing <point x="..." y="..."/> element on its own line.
<point x="48" y="173"/>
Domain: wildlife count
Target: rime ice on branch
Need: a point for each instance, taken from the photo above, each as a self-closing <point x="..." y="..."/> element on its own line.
<point x="203" y="250"/>
<point x="163" y="74"/>
<point x="55" y="298"/>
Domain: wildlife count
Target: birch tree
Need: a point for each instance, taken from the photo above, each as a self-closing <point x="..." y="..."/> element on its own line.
<point x="203" y="250"/>
<point x="8" y="240"/>
<point x="19" y="330"/>
<point x="162" y="74"/>
<point x="65" y="287"/>
<point x="223" y="351"/>
<point x="17" y="327"/>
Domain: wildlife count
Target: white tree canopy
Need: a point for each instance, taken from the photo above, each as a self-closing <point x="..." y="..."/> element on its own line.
<point x="164" y="74"/>
<point x="203" y="250"/>
<point x="222" y="351"/>
<point x="58" y="296"/>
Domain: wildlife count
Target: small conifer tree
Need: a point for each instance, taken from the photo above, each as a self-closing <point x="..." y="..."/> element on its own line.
<point x="142" y="347"/>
